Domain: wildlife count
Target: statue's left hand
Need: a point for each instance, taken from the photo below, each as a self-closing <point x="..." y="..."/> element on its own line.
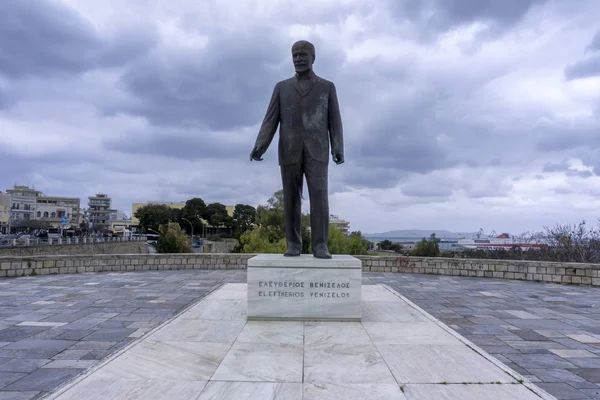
<point x="338" y="157"/>
<point x="256" y="154"/>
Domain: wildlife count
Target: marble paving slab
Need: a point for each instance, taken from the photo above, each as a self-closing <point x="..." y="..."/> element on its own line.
<point x="212" y="352"/>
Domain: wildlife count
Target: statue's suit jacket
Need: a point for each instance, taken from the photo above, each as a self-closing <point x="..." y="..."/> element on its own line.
<point x="308" y="120"/>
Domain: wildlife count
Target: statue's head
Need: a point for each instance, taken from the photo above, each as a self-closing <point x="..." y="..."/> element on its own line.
<point x="303" y="55"/>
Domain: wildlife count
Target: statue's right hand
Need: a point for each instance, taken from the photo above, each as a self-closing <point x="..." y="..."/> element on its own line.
<point x="256" y="154"/>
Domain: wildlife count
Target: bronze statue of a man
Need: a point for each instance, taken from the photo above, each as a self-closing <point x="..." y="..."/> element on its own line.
<point x="307" y="111"/>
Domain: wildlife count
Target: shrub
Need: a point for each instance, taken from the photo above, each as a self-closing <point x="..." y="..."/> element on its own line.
<point x="173" y="240"/>
<point x="427" y="248"/>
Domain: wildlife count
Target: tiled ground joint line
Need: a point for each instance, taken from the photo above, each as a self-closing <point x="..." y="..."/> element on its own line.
<point x="526" y="382"/>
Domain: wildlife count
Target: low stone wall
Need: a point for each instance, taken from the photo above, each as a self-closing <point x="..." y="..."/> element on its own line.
<point x="65" y="264"/>
<point x="219" y="247"/>
<point x="539" y="271"/>
<point x="569" y="273"/>
<point x="124" y="247"/>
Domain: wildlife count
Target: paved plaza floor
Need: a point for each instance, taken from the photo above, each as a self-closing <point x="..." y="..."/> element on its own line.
<point x="53" y="328"/>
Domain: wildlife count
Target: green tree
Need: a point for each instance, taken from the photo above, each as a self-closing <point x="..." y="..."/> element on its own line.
<point x="260" y="240"/>
<point x="338" y="242"/>
<point x="354" y="244"/>
<point x="385" y="244"/>
<point x="357" y="244"/>
<point x="193" y="210"/>
<point x="173" y="239"/>
<point x="389" y="245"/>
<point x="270" y="216"/>
<point x="152" y="216"/>
<point x="217" y="216"/>
<point x="306" y="236"/>
<point x="244" y="216"/>
<point x="269" y="234"/>
<point x="427" y="247"/>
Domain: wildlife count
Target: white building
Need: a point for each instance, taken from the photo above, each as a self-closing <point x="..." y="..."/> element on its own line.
<point x="118" y="215"/>
<point x="22" y="204"/>
<point x="53" y="209"/>
<point x="340" y="224"/>
<point x="99" y="210"/>
<point x="4" y="213"/>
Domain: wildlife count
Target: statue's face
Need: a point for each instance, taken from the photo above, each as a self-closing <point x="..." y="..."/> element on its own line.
<point x="303" y="59"/>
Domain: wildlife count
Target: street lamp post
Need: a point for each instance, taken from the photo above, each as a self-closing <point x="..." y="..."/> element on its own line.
<point x="191" y="226"/>
<point x="203" y="226"/>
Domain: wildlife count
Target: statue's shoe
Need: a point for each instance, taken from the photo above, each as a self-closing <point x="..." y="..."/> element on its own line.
<point x="291" y="253"/>
<point x="324" y="254"/>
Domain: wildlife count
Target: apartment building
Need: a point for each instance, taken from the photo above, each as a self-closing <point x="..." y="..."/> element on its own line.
<point x="58" y="211"/>
<point x="22" y="203"/>
<point x="119" y="215"/>
<point x="99" y="210"/>
<point x="341" y="224"/>
<point x="4" y="213"/>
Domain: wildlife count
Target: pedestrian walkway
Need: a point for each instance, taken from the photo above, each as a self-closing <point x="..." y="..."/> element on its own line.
<point x="54" y="327"/>
<point x="209" y="351"/>
<point x="549" y="333"/>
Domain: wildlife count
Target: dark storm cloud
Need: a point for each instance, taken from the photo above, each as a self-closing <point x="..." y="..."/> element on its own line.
<point x="228" y="84"/>
<point x="595" y="43"/>
<point x="591" y="159"/>
<point x="187" y="145"/>
<point x="16" y="169"/>
<point x="556" y="166"/>
<point x="563" y="190"/>
<point x="435" y="16"/>
<point x="370" y="177"/>
<point x="43" y="38"/>
<point x="561" y="136"/>
<point x="38" y="37"/>
<point x="427" y="189"/>
<point x="586" y="68"/>
<point x="492" y="189"/>
<point x="13" y="166"/>
<point x="5" y="100"/>
<point x="579" y="173"/>
<point x="563" y="166"/>
<point x="589" y="65"/>
<point x="404" y="137"/>
<point x="556" y="142"/>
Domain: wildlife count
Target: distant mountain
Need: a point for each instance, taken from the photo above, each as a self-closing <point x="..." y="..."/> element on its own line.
<point x="420" y="233"/>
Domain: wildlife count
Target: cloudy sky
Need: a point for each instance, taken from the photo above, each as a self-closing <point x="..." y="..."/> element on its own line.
<point x="457" y="114"/>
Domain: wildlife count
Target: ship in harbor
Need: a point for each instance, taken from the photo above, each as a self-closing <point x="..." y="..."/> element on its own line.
<point x="450" y="241"/>
<point x="502" y="241"/>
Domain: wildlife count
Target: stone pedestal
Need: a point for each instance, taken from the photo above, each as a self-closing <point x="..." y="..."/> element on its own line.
<point x="304" y="288"/>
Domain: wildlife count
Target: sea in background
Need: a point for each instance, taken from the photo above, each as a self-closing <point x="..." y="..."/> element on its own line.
<point x="407" y="239"/>
<point x="447" y="243"/>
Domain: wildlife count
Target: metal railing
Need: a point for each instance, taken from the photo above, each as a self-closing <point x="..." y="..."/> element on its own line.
<point x="22" y="242"/>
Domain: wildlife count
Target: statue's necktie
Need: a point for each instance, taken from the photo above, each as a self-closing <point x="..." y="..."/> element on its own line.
<point x="303" y="86"/>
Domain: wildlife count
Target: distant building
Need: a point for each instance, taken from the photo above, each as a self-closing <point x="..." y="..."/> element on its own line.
<point x="340" y="224"/>
<point x="119" y="221"/>
<point x="118" y="216"/>
<point x="22" y="204"/>
<point x="52" y="209"/>
<point x="99" y="210"/>
<point x="4" y="213"/>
